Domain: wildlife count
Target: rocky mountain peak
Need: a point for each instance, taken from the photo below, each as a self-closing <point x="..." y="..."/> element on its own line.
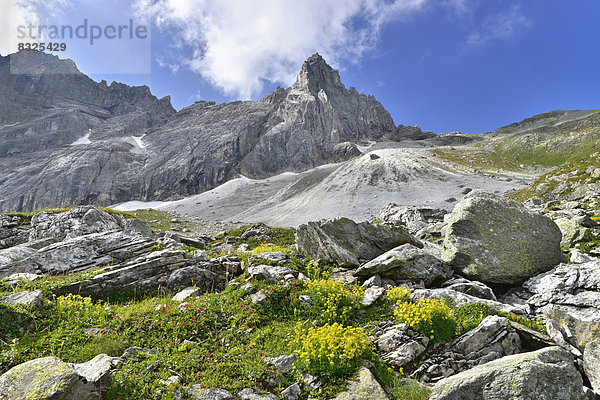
<point x="33" y="62"/>
<point x="316" y="74"/>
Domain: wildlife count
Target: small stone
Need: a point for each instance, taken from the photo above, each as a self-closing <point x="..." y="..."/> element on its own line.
<point x="371" y="295"/>
<point x="305" y="300"/>
<point x="186" y="293"/>
<point x="28" y="299"/>
<point x="292" y="392"/>
<point x="258" y="298"/>
<point x="282" y="363"/>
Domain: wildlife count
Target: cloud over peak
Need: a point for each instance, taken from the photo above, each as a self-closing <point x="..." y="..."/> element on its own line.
<point x="237" y="45"/>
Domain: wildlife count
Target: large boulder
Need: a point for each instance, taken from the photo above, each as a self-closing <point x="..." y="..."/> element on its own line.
<point x="570" y="295"/>
<point x="492" y="239"/>
<point x="546" y="374"/>
<point x="52" y="379"/>
<point x="346" y="243"/>
<point x="407" y="263"/>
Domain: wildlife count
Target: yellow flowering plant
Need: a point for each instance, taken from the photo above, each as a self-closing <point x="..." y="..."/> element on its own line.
<point x="333" y="301"/>
<point x="431" y="317"/>
<point x="331" y="350"/>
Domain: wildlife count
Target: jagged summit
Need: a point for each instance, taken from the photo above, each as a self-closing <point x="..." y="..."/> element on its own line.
<point x="33" y="62"/>
<point x="316" y="74"/>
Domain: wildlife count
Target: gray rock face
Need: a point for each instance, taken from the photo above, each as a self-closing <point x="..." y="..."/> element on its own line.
<point x="283" y="363"/>
<point x="12" y="232"/>
<point x="346" y="243"/>
<point x="365" y="386"/>
<point x="31" y="299"/>
<point x="401" y="346"/>
<point x="140" y="148"/>
<point x="472" y="288"/>
<point x="546" y="374"/>
<point x="570" y="295"/>
<point x="496" y="240"/>
<point x="172" y="270"/>
<point x="591" y="364"/>
<point x="494" y="338"/>
<point x="407" y="263"/>
<point x="81" y="238"/>
<point x="50" y="378"/>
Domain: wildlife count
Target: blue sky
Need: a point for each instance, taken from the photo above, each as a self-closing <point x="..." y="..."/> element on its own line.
<point x="446" y="65"/>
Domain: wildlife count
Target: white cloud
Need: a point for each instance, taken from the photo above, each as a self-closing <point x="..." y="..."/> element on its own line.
<point x="237" y="45"/>
<point x="14" y="13"/>
<point x="500" y="27"/>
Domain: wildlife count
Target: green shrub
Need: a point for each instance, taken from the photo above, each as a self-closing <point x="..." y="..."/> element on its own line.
<point x="331" y="350"/>
<point x="470" y="316"/>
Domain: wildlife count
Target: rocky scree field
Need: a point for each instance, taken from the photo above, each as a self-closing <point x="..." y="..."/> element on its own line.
<point x="493" y="300"/>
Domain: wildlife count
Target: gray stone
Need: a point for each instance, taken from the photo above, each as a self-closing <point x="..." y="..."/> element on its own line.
<point x="546" y="374"/>
<point x="201" y="255"/>
<point x="346" y="243"/>
<point x="371" y="295"/>
<point x="372" y="281"/>
<point x="50" y="378"/>
<point x="407" y="262"/>
<point x="259" y="298"/>
<point x="365" y="386"/>
<point x="283" y="363"/>
<point x="250" y="394"/>
<point x="292" y="392"/>
<point x="269" y="273"/>
<point x="31" y="299"/>
<point x="492" y="239"/>
<point x="271" y="256"/>
<point x="569" y="295"/>
<point x="591" y="363"/>
<point x="197" y="392"/>
<point x="472" y="288"/>
<point x="186" y="293"/>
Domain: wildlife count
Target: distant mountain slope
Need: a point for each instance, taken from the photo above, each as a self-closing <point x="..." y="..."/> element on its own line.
<point x="138" y="148"/>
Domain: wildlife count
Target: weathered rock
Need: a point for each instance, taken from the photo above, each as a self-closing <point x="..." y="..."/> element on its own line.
<point x="407" y="263"/>
<point x="346" y="243"/>
<point x="250" y="394"/>
<point x="186" y="293"/>
<point x="492" y="239"/>
<point x="171" y="270"/>
<point x="12" y="231"/>
<point x="371" y="295"/>
<point x="572" y="231"/>
<point x="291" y="392"/>
<point x="472" y="288"/>
<point x="50" y="378"/>
<point x="364" y="387"/>
<point x="137" y="352"/>
<point x="197" y="392"/>
<point x="283" y="363"/>
<point x="546" y="374"/>
<point x="570" y="295"/>
<point x="269" y="273"/>
<point x="31" y="299"/>
<point x="492" y="339"/>
<point x="591" y="363"/>
<point x="399" y="345"/>
<point x="460" y="299"/>
<point x="259" y="297"/>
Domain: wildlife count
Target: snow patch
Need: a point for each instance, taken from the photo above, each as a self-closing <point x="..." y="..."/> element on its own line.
<point x="364" y="149"/>
<point x="83" y="140"/>
<point x="138" y="141"/>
